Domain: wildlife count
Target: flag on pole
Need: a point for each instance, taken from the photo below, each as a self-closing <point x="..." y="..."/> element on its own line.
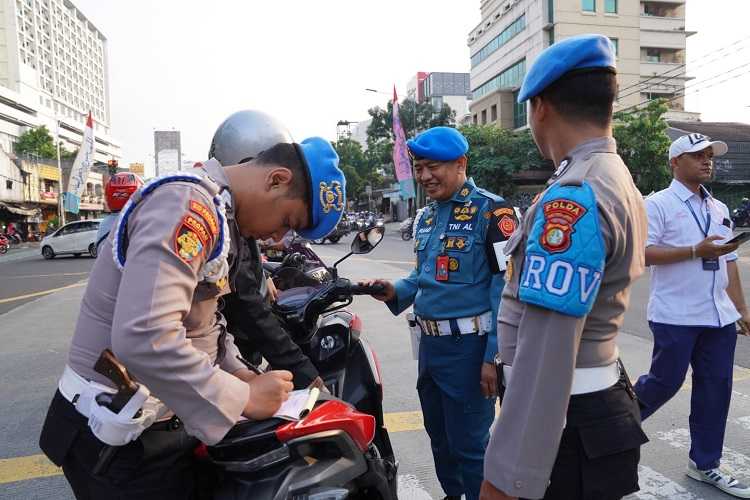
<point x="80" y="171"/>
<point x="401" y="161"/>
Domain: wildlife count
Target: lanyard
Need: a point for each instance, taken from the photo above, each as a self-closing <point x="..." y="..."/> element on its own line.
<point x="708" y="217"/>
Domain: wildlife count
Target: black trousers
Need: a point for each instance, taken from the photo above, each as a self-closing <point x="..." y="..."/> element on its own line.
<point x="158" y="465"/>
<point x="600" y="447"/>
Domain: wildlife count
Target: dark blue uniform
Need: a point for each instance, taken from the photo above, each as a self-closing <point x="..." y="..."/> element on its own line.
<point x="455" y="289"/>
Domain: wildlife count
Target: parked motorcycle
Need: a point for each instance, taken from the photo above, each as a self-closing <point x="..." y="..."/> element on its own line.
<point x="341" y="449"/>
<point x="4" y="244"/>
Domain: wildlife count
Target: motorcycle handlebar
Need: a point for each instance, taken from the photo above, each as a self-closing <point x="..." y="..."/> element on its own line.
<point x="367" y="290"/>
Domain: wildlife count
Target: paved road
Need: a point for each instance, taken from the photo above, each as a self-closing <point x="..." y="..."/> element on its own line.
<point x="25" y="274"/>
<point x="31" y="363"/>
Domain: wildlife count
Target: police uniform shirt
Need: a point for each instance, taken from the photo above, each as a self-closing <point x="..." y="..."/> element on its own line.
<point x="683" y="293"/>
<point x="567" y="287"/>
<point x="469" y="230"/>
<point x="158" y="318"/>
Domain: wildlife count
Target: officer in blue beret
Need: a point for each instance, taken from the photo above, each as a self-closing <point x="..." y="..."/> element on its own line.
<point x="153" y="299"/>
<point x="570" y="423"/>
<point x="455" y="289"/>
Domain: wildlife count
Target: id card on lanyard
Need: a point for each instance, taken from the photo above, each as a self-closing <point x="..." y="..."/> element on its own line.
<point x="708" y="264"/>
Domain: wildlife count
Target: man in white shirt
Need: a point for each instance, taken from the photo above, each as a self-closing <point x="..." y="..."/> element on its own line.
<point x="696" y="298"/>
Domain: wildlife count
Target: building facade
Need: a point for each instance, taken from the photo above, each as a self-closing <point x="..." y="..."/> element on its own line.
<point x="53" y="71"/>
<point x="649" y="38"/>
<point x="167" y="151"/>
<point x="440" y="88"/>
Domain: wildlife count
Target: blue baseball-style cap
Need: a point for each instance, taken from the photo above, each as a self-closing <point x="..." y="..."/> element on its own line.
<point x="439" y="144"/>
<point x="577" y="53"/>
<point x="327" y="187"/>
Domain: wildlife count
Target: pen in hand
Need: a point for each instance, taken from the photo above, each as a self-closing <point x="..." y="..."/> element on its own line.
<point x="250" y="366"/>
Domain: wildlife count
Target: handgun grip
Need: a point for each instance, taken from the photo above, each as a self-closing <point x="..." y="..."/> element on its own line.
<point x="109" y="366"/>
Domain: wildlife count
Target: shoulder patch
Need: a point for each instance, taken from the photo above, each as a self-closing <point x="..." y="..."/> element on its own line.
<point x="506" y="225"/>
<point x="187" y="243"/>
<point x="206" y="215"/>
<point x="565" y="253"/>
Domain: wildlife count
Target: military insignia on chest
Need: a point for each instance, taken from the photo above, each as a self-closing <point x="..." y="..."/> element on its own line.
<point x="559" y="218"/>
<point x="464" y="192"/>
<point x="464" y="213"/>
<point x="331" y="197"/>
<point x="456" y="243"/>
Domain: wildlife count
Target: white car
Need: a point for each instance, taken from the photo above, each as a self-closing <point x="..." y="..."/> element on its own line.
<point x="73" y="238"/>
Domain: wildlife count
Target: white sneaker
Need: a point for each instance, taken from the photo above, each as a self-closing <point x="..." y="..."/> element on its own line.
<point x="720" y="479"/>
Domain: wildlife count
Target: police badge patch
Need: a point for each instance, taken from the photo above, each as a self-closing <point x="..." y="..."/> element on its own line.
<point x="331" y="197"/>
<point x="190" y="239"/>
<point x="559" y="218"/>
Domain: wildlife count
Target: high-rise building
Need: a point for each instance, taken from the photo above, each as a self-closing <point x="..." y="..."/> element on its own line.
<point x="649" y="38"/>
<point x="53" y="69"/>
<point x="167" y="151"/>
<point x="440" y="88"/>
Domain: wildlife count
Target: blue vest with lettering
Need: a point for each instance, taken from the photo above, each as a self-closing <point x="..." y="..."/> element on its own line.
<point x="565" y="252"/>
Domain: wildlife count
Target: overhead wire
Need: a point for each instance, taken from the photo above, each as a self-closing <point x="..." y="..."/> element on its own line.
<point x="666" y="75"/>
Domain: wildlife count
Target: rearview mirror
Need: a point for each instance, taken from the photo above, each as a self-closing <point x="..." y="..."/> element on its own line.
<point x="365" y="241"/>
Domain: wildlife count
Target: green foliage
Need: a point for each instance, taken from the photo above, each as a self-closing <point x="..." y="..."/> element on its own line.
<point x="643" y="144"/>
<point x="495" y="154"/>
<point x="38" y="142"/>
<point x="360" y="168"/>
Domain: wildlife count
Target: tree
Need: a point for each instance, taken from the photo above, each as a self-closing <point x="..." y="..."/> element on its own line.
<point x="643" y="143"/>
<point x="352" y="162"/>
<point x="495" y="154"/>
<point x="37" y="141"/>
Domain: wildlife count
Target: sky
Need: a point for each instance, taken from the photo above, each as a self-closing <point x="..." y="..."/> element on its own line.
<point x="186" y="65"/>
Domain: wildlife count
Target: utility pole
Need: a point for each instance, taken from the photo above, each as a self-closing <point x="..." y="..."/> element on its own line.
<point x="60" y="207"/>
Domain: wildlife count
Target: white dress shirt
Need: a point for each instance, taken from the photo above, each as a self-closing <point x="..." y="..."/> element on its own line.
<point x="683" y="293"/>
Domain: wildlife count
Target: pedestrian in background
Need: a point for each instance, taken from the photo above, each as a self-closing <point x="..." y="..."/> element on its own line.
<point x="455" y="289"/>
<point x="696" y="298"/>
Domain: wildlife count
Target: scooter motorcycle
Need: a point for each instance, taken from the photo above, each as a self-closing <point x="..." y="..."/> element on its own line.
<point x="341" y="449"/>
<point x="406" y="228"/>
<point x="4" y="244"/>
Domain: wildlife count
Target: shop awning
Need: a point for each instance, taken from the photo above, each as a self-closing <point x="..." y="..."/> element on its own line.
<point x="20" y="210"/>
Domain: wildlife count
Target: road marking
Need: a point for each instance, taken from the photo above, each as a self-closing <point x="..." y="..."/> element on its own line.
<point x="43" y="275"/>
<point x="409" y="488"/>
<point x="25" y="468"/>
<point x="403" y="421"/>
<point x="655" y="486"/>
<point x="43" y="292"/>
<point x="735" y="463"/>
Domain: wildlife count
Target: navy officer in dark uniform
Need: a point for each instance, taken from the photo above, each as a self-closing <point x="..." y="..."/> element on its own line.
<point x="455" y="290"/>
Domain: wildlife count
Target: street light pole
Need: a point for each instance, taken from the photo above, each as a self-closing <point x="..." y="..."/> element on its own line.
<point x="60" y="207"/>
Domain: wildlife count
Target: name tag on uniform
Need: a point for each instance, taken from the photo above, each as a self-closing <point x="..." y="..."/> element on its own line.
<point x="441" y="268"/>
<point x="711" y="264"/>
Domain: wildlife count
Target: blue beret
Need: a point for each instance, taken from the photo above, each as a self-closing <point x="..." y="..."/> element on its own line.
<point x="572" y="54"/>
<point x="439" y="144"/>
<point x="327" y="187"/>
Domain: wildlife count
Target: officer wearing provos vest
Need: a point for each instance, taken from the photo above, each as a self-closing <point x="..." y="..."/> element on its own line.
<point x="569" y="427"/>
<point x="455" y="289"/>
<point x="153" y="301"/>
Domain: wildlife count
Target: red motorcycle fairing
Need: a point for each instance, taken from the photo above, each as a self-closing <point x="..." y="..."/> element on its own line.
<point x="332" y="415"/>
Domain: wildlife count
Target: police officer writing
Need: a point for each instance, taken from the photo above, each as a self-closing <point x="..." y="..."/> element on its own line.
<point x="569" y="427"/>
<point x="257" y="331"/>
<point x="696" y="298"/>
<point x="455" y="289"/>
<point x="152" y="298"/>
